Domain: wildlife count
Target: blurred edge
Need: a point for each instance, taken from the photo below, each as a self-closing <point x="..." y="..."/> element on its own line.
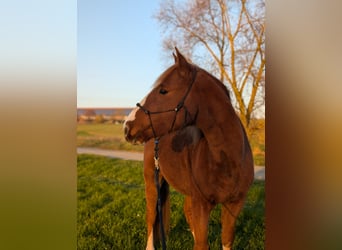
<point x="38" y="124"/>
<point x="303" y="131"/>
<point x="303" y="125"/>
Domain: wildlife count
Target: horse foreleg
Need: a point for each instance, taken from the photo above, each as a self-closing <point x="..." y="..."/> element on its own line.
<point x="151" y="201"/>
<point x="188" y="213"/>
<point x="229" y="214"/>
<point x="200" y="219"/>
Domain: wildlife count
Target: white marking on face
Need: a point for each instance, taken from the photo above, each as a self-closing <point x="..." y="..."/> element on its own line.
<point x="149" y="245"/>
<point x="131" y="116"/>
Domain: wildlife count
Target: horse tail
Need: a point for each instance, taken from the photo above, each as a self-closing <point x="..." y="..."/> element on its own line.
<point x="166" y="210"/>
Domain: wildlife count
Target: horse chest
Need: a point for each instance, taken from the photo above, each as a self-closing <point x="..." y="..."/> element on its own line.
<point x="175" y="169"/>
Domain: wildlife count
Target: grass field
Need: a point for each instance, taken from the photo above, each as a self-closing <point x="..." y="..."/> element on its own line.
<point x="110" y="136"/>
<point x="111" y="210"/>
<point x="104" y="135"/>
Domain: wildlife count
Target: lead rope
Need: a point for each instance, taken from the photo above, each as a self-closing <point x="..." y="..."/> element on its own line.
<point x="159" y="203"/>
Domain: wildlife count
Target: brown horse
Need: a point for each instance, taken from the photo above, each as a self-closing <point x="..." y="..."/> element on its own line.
<point x="203" y="149"/>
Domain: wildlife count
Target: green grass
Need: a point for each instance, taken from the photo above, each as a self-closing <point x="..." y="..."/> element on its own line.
<point x="111" y="210"/>
<point x="257" y="141"/>
<point x="105" y="135"/>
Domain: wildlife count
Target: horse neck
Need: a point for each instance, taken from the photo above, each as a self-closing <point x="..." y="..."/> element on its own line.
<point x="220" y="124"/>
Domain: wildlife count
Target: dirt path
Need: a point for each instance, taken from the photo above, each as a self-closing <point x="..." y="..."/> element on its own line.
<point x="126" y="155"/>
<point x="259" y="171"/>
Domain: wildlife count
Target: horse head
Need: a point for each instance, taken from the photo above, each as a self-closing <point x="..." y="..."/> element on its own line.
<point x="168" y="107"/>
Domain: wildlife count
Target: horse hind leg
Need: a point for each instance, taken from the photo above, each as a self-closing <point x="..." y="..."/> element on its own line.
<point x="188" y="213"/>
<point x="229" y="214"/>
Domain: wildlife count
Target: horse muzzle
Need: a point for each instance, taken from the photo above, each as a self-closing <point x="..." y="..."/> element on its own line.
<point x="127" y="132"/>
<point x="131" y="134"/>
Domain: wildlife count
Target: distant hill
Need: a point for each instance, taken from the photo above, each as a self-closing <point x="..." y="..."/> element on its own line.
<point x="115" y="115"/>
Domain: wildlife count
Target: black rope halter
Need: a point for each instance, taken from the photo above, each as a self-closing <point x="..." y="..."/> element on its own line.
<point x="179" y="106"/>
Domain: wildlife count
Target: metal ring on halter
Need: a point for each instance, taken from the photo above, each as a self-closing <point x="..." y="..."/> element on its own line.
<point x="142" y="108"/>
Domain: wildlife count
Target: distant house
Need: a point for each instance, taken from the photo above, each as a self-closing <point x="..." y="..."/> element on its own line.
<point x="113" y="115"/>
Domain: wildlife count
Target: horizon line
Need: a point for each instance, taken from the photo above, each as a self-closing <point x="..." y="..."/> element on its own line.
<point x="104" y="107"/>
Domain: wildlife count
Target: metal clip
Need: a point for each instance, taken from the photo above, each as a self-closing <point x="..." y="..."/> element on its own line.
<point x="156" y="163"/>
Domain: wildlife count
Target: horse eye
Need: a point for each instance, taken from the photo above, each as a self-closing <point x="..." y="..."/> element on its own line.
<point x="163" y="91"/>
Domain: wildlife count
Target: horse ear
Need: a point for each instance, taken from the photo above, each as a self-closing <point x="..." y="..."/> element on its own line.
<point x="175" y="57"/>
<point x="183" y="64"/>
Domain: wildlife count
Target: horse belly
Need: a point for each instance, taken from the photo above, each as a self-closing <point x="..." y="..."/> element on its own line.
<point x="216" y="181"/>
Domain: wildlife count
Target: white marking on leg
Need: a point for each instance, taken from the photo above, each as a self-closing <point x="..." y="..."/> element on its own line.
<point x="193" y="234"/>
<point x="149" y="245"/>
<point x="227" y="247"/>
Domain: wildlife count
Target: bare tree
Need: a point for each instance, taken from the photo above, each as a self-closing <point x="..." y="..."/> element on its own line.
<point x="228" y="38"/>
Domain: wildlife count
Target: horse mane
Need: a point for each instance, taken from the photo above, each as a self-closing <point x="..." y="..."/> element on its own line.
<point x="218" y="82"/>
<point x="195" y="67"/>
<point x="163" y="76"/>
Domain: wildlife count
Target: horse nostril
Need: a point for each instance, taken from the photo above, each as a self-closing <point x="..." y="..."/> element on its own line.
<point x="127" y="130"/>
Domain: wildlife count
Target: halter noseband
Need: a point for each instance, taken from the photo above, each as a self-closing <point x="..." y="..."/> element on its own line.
<point x="179" y="106"/>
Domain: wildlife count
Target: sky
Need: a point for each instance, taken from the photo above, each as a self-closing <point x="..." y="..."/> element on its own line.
<point x="119" y="52"/>
<point x="34" y="35"/>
